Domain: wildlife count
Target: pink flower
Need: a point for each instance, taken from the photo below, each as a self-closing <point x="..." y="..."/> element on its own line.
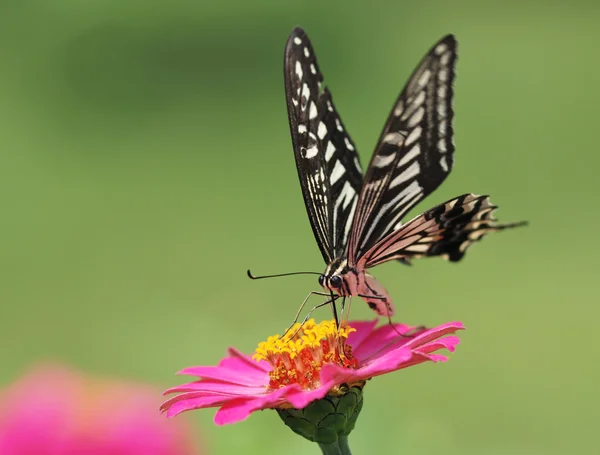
<point x="319" y="360"/>
<point x="55" y="411"/>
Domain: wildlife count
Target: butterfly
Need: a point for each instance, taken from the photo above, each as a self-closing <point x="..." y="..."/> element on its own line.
<point x="356" y="219"/>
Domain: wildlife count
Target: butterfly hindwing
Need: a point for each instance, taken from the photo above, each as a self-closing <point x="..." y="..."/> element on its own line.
<point x="446" y="230"/>
<point x="414" y="153"/>
<point x="326" y="159"/>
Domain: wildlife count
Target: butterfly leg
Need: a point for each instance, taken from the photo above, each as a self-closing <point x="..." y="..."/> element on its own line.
<point x="301" y="308"/>
<point x="320" y="305"/>
<point x="389" y="315"/>
<point x="346" y="316"/>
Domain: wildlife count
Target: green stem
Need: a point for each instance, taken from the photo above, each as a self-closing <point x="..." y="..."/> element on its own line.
<point x="340" y="447"/>
<point x="344" y="447"/>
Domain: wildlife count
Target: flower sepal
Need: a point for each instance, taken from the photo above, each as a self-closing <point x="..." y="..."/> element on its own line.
<point x="330" y="420"/>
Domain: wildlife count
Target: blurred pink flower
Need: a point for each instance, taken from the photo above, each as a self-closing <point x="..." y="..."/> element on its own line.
<point x="319" y="360"/>
<point x="55" y="411"/>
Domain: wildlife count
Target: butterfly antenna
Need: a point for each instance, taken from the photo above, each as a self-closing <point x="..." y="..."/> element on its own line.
<point x="260" y="277"/>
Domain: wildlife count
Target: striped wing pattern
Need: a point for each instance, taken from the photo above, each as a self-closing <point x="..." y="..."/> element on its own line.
<point x="414" y="153"/>
<point x="328" y="166"/>
<point x="446" y="230"/>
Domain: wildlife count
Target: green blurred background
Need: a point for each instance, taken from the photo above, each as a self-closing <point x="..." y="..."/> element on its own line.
<point x="146" y="163"/>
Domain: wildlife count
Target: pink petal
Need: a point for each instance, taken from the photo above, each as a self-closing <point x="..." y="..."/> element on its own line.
<point x="391" y="361"/>
<point x="301" y="398"/>
<point x="418" y="358"/>
<point x="448" y="342"/>
<point x="188" y="402"/>
<point x="235" y="411"/>
<point x="433" y="334"/>
<point x="240" y="408"/>
<point x="363" y="330"/>
<point x="244" y="358"/>
<point x="215" y="386"/>
<point x="241" y="376"/>
<point x="382" y="339"/>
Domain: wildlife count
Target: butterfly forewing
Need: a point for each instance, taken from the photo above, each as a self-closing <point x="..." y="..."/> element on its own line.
<point x="326" y="159"/>
<point x="414" y="153"/>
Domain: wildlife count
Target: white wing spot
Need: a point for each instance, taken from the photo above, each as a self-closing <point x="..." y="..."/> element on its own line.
<point x="443" y="75"/>
<point x="305" y="91"/>
<point x="338" y="171"/>
<point x="413" y="136"/>
<point x="399" y="108"/>
<point x="445" y="59"/>
<point x="416" y="118"/>
<point x="299" y="71"/>
<point x="348" y="144"/>
<point x="383" y="161"/>
<point x="312" y="112"/>
<point x="442" y="146"/>
<point x="413" y="153"/>
<point x="424" y="78"/>
<point x="442" y="91"/>
<point x="329" y="106"/>
<point x="414" y="104"/>
<point x="301" y="129"/>
<point x="442" y="127"/>
<point x="313" y="69"/>
<point x="357" y="164"/>
<point x="346" y="196"/>
<point x="339" y="125"/>
<point x="443" y="163"/>
<point x="321" y="130"/>
<point x="450" y="205"/>
<point x="441" y="109"/>
<point x="306" y="52"/>
<point x="329" y="151"/>
<point x="440" y="49"/>
<point x="394" y="138"/>
<point x="311" y="152"/>
<point x="297" y="40"/>
<point x="410" y="172"/>
<point x="418" y="248"/>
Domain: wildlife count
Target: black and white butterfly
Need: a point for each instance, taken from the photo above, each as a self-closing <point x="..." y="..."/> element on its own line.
<point x="356" y="220"/>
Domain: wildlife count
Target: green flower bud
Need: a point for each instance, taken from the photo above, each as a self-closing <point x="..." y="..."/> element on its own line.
<point x="327" y="420"/>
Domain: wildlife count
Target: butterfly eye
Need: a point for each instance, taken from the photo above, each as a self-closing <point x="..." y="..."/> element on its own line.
<point x="335" y="281"/>
<point x="322" y="280"/>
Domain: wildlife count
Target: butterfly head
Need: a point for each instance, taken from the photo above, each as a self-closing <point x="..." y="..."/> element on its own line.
<point x="339" y="278"/>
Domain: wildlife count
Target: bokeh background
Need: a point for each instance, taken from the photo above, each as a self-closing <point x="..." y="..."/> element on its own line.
<point x="145" y="164"/>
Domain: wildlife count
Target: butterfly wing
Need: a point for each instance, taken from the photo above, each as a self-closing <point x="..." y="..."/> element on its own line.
<point x="446" y="230"/>
<point x="326" y="159"/>
<point x="414" y="152"/>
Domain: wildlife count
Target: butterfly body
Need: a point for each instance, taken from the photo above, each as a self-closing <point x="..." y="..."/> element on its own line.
<point x="356" y="219"/>
<point x="347" y="281"/>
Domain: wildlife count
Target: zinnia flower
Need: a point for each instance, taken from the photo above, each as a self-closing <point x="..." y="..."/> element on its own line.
<point x="311" y="362"/>
<point x="56" y="411"/>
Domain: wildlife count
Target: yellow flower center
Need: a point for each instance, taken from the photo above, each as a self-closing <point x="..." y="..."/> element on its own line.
<point x="298" y="356"/>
